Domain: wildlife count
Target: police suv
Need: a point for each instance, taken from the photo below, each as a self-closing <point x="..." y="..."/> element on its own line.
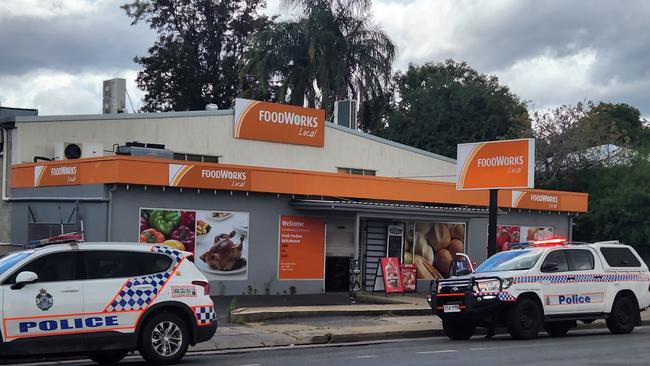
<point x="548" y="284"/>
<point x="103" y="300"/>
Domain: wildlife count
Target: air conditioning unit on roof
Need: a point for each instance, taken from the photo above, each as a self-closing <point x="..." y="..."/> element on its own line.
<point x="76" y="150"/>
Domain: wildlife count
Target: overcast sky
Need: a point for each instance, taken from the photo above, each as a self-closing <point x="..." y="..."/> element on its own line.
<point x="54" y="54"/>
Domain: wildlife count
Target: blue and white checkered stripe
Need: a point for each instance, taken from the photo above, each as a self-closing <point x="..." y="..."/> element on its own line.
<point x="581" y="278"/>
<point x="204" y="314"/>
<point x="506" y="296"/>
<point x="138" y="292"/>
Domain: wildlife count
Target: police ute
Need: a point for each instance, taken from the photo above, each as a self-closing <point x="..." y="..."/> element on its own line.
<point x="103" y="300"/>
<point x="548" y="285"/>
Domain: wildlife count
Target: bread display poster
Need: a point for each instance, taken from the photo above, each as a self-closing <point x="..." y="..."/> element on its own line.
<point x="218" y="239"/>
<point x="302" y="248"/>
<point x="430" y="246"/>
<point x="511" y="234"/>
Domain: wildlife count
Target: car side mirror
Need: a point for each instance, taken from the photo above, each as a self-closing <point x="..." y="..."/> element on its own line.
<point x="24" y="278"/>
<point x="550" y="267"/>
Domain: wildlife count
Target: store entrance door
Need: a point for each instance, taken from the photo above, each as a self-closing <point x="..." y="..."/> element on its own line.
<point x="337" y="273"/>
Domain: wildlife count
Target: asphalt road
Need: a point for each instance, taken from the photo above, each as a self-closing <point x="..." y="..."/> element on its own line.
<point x="592" y="347"/>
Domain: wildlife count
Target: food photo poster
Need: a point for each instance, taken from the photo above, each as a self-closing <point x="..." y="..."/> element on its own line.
<point x="512" y="234"/>
<point x="218" y="239"/>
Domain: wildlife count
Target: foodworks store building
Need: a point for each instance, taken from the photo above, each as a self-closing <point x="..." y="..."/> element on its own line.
<point x="266" y="205"/>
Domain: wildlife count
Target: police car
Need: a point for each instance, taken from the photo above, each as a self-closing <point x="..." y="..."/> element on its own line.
<point x="103" y="300"/>
<point x="547" y="284"/>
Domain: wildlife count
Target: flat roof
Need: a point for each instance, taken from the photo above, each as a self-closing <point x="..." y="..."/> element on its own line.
<point x="223" y="112"/>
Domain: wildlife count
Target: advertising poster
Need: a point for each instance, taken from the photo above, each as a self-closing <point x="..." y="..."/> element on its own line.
<point x="392" y="275"/>
<point x="509" y="234"/>
<point x="431" y="246"/>
<point x="218" y="239"/>
<point x="409" y="277"/>
<point x="302" y="248"/>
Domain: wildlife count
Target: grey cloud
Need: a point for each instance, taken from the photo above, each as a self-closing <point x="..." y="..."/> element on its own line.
<point x="102" y="41"/>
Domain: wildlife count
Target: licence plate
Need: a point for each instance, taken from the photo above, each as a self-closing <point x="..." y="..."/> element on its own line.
<point x="451" y="308"/>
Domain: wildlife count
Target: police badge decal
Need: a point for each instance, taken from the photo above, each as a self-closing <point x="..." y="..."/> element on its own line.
<point x="44" y="301"/>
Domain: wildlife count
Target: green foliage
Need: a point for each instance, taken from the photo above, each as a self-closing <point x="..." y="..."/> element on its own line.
<point x="332" y="51"/>
<point x="442" y="104"/>
<point x="196" y="57"/>
<point x="619" y="204"/>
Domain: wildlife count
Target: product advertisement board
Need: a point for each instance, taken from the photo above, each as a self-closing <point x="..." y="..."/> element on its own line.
<point x="409" y="277"/>
<point x="218" y="239"/>
<point x="431" y="246"/>
<point x="509" y="234"/>
<point x="496" y="164"/>
<point x="391" y="274"/>
<point x="302" y="248"/>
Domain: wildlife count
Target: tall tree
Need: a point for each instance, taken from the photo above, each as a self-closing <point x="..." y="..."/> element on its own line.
<point x="196" y="57"/>
<point x="333" y="51"/>
<point x="439" y="105"/>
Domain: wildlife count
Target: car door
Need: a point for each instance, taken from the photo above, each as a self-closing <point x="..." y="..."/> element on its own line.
<point x="49" y="307"/>
<point x="117" y="286"/>
<point x="587" y="274"/>
<point x="555" y="287"/>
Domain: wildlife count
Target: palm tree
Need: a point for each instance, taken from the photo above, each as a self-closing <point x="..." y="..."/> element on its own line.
<point x="333" y="51"/>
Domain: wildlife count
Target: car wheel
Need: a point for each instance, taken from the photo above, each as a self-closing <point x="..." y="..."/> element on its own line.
<point x="164" y="339"/>
<point x="524" y="319"/>
<point x="108" y="357"/>
<point x="558" y="329"/>
<point x="623" y="316"/>
<point x="458" y="329"/>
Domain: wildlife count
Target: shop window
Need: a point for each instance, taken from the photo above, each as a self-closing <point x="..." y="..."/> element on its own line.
<point x="355" y="171"/>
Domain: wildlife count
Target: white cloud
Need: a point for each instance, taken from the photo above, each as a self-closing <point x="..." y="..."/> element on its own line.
<point x="48" y="8"/>
<point x="55" y="92"/>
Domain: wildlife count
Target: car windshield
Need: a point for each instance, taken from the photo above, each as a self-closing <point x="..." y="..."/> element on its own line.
<point x="10" y="259"/>
<point x="512" y="260"/>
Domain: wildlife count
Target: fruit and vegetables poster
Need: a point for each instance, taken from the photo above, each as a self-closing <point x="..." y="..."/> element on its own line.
<point x="509" y="234"/>
<point x="390" y="269"/>
<point x="218" y="239"/>
<point x="431" y="247"/>
<point x="302" y="248"/>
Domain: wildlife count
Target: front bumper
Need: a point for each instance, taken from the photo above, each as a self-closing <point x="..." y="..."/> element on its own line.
<point x="482" y="308"/>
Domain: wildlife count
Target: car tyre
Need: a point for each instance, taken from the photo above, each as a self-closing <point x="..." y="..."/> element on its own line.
<point x="458" y="329"/>
<point x="623" y="316"/>
<point x="558" y="329"/>
<point x="164" y="339"/>
<point x="108" y="357"/>
<point x="524" y="319"/>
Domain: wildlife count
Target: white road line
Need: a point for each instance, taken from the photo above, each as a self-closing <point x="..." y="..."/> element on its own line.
<point x="438" y="351"/>
<point x="481" y="348"/>
<point x="252" y="364"/>
<point x="367" y="356"/>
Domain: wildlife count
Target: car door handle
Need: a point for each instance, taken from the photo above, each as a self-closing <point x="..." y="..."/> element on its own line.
<point x="70" y="289"/>
<point x="571" y="278"/>
<point x="598" y="277"/>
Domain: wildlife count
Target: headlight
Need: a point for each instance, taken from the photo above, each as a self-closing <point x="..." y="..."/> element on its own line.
<point x="489" y="286"/>
<point x="507" y="282"/>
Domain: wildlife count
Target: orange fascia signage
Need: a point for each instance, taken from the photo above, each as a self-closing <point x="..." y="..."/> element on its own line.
<point x="302" y="248"/>
<point x="216" y="177"/>
<point x="184" y="174"/>
<point x="255" y="120"/>
<point x="63" y="175"/>
<point x="496" y="164"/>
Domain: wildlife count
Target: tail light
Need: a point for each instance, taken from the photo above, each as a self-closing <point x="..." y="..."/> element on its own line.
<point x="204" y="284"/>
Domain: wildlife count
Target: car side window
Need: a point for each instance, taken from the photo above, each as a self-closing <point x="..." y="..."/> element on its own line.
<point x="620" y="257"/>
<point x="102" y="264"/>
<point x="580" y="260"/>
<point x="558" y="257"/>
<point x="53" y="267"/>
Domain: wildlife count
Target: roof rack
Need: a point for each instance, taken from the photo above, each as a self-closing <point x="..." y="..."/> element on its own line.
<point x="608" y="242"/>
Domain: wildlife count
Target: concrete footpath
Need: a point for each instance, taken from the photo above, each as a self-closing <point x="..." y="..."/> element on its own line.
<point x="371" y="318"/>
